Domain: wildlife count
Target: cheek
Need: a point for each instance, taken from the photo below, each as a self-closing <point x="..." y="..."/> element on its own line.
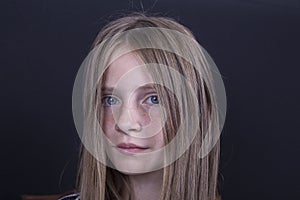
<point x="108" y="124"/>
<point x="161" y="140"/>
<point x="156" y="123"/>
<point x="158" y="141"/>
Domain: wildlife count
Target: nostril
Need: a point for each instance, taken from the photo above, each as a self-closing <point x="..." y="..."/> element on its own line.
<point x="128" y="129"/>
<point x="128" y="121"/>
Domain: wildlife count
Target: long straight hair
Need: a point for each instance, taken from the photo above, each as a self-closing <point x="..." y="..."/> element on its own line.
<point x="187" y="178"/>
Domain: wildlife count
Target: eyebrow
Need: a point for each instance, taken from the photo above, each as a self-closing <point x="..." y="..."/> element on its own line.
<point x="107" y="89"/>
<point x="149" y="86"/>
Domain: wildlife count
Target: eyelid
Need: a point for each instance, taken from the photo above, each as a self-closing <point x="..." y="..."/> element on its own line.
<point x="149" y="94"/>
<point x="109" y="94"/>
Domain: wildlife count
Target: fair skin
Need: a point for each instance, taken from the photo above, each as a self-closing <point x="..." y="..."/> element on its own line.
<point x="132" y="122"/>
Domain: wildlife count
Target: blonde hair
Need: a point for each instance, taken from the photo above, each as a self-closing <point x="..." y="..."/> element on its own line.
<point x="187" y="178"/>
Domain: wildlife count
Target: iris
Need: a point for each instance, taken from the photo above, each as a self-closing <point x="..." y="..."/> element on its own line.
<point x="109" y="101"/>
<point x="153" y="99"/>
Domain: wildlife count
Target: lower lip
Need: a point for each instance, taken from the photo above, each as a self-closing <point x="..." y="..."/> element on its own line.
<point x="132" y="150"/>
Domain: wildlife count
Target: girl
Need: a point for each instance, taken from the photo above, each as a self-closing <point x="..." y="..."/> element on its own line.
<point x="149" y="120"/>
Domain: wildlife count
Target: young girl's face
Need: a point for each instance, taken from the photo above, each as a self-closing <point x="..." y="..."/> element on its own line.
<point x="131" y="115"/>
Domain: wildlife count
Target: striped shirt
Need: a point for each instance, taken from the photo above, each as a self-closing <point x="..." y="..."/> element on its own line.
<point x="70" y="197"/>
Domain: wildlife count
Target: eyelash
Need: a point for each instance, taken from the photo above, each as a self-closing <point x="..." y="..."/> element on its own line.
<point x="105" y="100"/>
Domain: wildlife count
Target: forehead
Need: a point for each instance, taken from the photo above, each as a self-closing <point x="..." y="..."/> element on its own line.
<point x="126" y="71"/>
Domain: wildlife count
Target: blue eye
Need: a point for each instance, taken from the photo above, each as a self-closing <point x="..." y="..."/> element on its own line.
<point x="152" y="99"/>
<point x="109" y="101"/>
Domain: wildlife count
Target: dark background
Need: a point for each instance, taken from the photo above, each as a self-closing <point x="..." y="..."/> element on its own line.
<point x="255" y="44"/>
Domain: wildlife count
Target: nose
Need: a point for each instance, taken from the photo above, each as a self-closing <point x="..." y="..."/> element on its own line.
<point x="128" y="120"/>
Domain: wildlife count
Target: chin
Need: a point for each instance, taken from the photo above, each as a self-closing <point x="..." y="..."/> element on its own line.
<point x="130" y="166"/>
<point x="133" y="164"/>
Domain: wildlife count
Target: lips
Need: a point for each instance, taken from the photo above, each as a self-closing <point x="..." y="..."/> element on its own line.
<point x="131" y="148"/>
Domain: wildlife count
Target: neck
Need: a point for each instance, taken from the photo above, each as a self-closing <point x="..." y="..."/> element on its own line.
<point x="147" y="186"/>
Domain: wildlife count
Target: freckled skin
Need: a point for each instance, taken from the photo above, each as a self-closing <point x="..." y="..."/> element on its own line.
<point x="131" y="113"/>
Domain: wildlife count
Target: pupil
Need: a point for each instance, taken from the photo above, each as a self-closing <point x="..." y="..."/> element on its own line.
<point x="154" y="99"/>
<point x="111" y="101"/>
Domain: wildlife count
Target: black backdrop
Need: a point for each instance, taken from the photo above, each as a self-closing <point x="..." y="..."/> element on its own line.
<point x="255" y="44"/>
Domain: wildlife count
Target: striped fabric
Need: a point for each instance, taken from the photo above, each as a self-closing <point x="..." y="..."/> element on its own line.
<point x="70" y="197"/>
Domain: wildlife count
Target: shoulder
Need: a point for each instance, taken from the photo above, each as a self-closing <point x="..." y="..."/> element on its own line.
<point x="74" y="196"/>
